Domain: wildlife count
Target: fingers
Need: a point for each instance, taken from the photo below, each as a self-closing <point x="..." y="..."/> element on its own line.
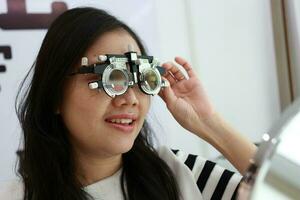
<point x="174" y="73"/>
<point x="169" y="75"/>
<point x="187" y="66"/>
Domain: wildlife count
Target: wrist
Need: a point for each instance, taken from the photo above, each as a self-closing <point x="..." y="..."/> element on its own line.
<point x="207" y="126"/>
<point x="215" y="130"/>
<point x="235" y="147"/>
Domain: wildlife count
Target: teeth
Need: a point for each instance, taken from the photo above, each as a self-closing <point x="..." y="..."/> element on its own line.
<point x="121" y="121"/>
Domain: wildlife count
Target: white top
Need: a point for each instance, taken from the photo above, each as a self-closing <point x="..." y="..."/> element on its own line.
<point x="197" y="179"/>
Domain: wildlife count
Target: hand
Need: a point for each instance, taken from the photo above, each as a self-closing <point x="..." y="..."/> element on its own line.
<point x="186" y="98"/>
<point x="190" y="106"/>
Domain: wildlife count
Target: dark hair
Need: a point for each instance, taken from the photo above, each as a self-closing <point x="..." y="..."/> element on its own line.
<point x="45" y="162"/>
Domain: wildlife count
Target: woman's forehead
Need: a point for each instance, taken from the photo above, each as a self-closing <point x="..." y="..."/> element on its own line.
<point x="114" y="42"/>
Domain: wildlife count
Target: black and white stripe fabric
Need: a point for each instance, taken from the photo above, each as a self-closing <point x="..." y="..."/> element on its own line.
<point x="211" y="180"/>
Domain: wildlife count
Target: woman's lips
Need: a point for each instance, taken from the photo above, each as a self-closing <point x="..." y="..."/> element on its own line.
<point x="122" y="116"/>
<point x="124" y="127"/>
<point x="127" y="128"/>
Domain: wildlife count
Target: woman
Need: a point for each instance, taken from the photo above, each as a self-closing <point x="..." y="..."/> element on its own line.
<point x="74" y="144"/>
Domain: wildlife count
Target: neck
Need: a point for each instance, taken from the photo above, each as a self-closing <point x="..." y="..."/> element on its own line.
<point x="92" y="168"/>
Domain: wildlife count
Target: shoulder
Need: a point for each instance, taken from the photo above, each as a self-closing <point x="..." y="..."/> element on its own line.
<point x="11" y="190"/>
<point x="212" y="180"/>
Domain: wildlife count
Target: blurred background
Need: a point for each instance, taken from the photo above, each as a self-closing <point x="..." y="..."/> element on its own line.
<point x="245" y="53"/>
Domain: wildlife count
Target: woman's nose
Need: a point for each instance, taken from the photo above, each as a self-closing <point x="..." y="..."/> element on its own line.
<point x="128" y="98"/>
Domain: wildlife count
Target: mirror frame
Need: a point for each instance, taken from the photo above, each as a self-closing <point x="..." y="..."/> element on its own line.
<point x="258" y="167"/>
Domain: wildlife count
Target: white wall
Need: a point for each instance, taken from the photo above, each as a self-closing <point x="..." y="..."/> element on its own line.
<point x="230" y="45"/>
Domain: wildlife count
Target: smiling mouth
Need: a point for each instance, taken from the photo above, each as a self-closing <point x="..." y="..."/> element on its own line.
<point x="121" y="121"/>
<point x="126" y="126"/>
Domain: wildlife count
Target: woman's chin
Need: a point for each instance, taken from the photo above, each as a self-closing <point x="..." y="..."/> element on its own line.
<point x="121" y="147"/>
<point x="126" y="148"/>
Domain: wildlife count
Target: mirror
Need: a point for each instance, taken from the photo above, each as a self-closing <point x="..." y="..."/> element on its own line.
<point x="275" y="170"/>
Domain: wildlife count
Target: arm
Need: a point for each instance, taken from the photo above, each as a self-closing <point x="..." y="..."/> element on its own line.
<point x="234" y="146"/>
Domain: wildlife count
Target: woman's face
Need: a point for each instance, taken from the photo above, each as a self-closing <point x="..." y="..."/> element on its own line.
<point x="97" y="123"/>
